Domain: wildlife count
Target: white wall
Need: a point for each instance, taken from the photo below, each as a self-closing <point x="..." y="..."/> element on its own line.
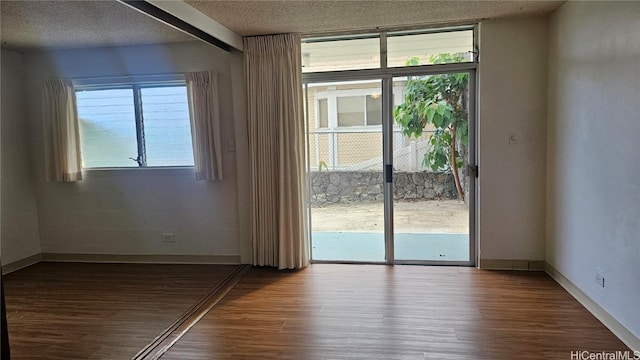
<point x="126" y="211"/>
<point x="512" y="99"/>
<point x="593" y="183"/>
<point x="19" y="213"/>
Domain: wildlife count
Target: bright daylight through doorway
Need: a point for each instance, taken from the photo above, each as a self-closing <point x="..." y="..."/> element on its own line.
<point x="391" y="117"/>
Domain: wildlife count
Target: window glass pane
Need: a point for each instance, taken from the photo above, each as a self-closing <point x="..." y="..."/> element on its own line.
<point x="107" y="128"/>
<point x="167" y="131"/>
<point x="374" y="109"/>
<point x="350" y="111"/>
<point x="333" y="55"/>
<point x="423" y="49"/>
<point x="323" y="114"/>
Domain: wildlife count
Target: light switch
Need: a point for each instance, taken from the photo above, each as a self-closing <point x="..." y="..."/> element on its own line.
<point x="513" y="138"/>
<point x="232" y="146"/>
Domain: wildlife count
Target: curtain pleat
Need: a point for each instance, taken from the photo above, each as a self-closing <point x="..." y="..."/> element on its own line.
<point x="276" y="143"/>
<point x="60" y="117"/>
<point x="204" y="113"/>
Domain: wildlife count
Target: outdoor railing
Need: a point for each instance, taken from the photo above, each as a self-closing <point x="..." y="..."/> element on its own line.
<point x="361" y="150"/>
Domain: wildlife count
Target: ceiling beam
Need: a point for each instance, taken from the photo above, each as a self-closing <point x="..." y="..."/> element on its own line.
<point x="186" y="18"/>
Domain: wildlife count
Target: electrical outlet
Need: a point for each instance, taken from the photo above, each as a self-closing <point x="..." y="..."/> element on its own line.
<point x="168" y="238"/>
<point x="600" y="279"/>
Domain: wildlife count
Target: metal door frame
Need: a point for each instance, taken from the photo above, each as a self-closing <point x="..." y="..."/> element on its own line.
<point x="386" y="75"/>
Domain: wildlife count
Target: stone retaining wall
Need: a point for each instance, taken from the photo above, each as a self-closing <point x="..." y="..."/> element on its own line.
<point x="329" y="187"/>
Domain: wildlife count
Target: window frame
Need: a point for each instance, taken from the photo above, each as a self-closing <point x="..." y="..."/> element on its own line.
<point x="136" y="86"/>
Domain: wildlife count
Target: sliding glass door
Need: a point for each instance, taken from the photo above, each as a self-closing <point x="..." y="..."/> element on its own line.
<point x="432" y="154"/>
<point x="383" y="182"/>
<point x="345" y="165"/>
<point x="390" y="146"/>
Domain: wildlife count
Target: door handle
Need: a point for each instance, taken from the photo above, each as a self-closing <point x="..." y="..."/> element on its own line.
<point x="388" y="173"/>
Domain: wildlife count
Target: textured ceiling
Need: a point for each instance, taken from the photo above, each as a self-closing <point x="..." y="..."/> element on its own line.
<point x="62" y="24"/>
<point x="322" y="16"/>
<point x="42" y="24"/>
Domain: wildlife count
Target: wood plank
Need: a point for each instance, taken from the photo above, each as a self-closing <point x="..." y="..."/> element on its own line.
<point x="99" y="311"/>
<point x="402" y="312"/>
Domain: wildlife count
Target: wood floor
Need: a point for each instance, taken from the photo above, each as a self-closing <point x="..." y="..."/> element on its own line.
<point x="99" y="311"/>
<point x="82" y="311"/>
<point x="401" y="312"/>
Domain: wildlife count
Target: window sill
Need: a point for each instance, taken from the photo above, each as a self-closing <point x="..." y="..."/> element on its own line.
<point x="133" y="171"/>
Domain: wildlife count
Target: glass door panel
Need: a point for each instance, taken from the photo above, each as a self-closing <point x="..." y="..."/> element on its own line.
<point x="430" y="189"/>
<point x="345" y="163"/>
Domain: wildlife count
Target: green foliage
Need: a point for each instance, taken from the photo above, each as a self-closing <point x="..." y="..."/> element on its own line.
<point x="321" y="165"/>
<point x="439" y="100"/>
<point x="438" y="157"/>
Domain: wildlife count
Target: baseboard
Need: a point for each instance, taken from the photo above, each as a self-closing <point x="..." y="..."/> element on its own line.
<point x="155" y="259"/>
<point x="506" y="264"/>
<point x="21" y="264"/>
<point x="619" y="330"/>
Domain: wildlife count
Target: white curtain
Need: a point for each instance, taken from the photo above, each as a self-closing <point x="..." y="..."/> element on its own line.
<point x="60" y="117"/>
<point x="204" y="110"/>
<point x="276" y="140"/>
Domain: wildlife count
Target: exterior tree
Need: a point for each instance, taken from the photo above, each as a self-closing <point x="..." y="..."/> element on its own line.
<point x="439" y="100"/>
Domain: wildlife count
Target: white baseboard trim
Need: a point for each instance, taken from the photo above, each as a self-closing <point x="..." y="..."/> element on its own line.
<point x="508" y="264"/>
<point x="21" y="264"/>
<point x="619" y="330"/>
<point x="149" y="259"/>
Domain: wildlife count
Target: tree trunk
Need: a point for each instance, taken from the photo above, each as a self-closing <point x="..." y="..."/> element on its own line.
<point x="454" y="163"/>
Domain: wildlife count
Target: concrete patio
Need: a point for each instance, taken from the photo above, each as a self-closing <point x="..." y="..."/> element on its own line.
<point x="432" y="230"/>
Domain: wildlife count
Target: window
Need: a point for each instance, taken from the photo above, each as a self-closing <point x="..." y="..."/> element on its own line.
<point x="323" y="113"/>
<point x="349" y="108"/>
<point x="374" y="109"/>
<point x="350" y="111"/>
<point x="394" y="49"/>
<point x="332" y="54"/>
<point x="415" y="48"/>
<point x="359" y="110"/>
<point x="135" y="126"/>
